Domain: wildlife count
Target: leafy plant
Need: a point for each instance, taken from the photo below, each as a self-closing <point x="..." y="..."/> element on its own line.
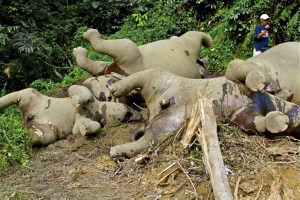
<point x="14" y="140"/>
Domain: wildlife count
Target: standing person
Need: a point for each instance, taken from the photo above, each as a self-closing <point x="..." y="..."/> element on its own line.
<point x="261" y="35"/>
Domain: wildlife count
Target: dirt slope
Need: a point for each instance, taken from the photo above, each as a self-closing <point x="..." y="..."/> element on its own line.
<point x="80" y="168"/>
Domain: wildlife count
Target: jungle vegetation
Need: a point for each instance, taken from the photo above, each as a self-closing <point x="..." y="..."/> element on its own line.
<point x="37" y="38"/>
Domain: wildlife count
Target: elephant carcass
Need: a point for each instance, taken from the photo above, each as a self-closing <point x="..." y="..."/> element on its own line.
<point x="177" y="54"/>
<point x="276" y="71"/>
<point x="170" y="99"/>
<point x="49" y="119"/>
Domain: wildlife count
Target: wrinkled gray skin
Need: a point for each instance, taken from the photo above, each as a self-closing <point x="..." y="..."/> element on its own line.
<point x="170" y="98"/>
<point x="177" y="54"/>
<point x="276" y="71"/>
<point x="50" y="119"/>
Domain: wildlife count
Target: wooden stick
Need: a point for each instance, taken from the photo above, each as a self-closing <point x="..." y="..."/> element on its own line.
<point x="275" y="190"/>
<point x="208" y="139"/>
<point x="192" y="126"/>
<point x="236" y="190"/>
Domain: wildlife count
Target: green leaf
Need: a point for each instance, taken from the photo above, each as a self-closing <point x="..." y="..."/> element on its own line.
<point x="95" y="4"/>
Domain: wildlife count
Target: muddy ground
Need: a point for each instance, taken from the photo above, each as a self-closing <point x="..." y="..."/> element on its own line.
<point x="80" y="168"/>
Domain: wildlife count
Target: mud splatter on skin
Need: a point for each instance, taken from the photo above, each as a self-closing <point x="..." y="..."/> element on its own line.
<point x="187" y="53"/>
<point x="102" y="97"/>
<point x="104" y="114"/>
<point x="49" y="103"/>
<point x="85" y="111"/>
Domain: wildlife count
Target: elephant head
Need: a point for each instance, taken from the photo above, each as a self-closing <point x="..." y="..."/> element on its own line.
<point x="48" y="119"/>
<point x="170" y="99"/>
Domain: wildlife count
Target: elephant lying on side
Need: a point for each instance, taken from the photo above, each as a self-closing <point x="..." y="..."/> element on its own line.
<point x="177" y="54"/>
<point x="170" y="98"/>
<point x="49" y="119"/>
<point x="276" y="71"/>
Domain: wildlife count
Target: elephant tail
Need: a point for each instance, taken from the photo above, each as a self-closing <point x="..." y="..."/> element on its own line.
<point x="15" y="97"/>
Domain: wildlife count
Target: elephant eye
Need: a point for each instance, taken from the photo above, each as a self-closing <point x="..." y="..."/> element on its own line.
<point x="30" y="117"/>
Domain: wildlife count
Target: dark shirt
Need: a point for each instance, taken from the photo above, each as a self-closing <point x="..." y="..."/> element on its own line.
<point x="261" y="43"/>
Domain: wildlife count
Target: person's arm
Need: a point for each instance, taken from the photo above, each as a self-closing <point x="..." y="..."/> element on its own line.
<point x="263" y="32"/>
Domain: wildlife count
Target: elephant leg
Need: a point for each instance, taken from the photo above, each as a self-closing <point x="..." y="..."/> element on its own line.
<point x="269" y="114"/>
<point x="124" y="51"/>
<point x="257" y="79"/>
<point x="93" y="67"/>
<point x="251" y="121"/>
<point x="274" y="122"/>
<point x="158" y="78"/>
<point x="239" y="71"/>
<point x="84" y="126"/>
<point x="80" y="94"/>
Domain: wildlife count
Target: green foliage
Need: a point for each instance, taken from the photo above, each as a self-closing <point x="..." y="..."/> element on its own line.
<point x="36" y="37"/>
<point x="14" y="140"/>
<point x="155" y="20"/>
<point x="232" y="28"/>
<point x="195" y="152"/>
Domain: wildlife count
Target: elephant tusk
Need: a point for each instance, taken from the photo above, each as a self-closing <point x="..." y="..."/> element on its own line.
<point x="164" y="103"/>
<point x="39" y="133"/>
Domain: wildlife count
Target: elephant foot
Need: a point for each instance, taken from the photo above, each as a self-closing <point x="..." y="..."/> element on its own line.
<point x="276" y="122"/>
<point x="80" y="94"/>
<point x="256" y="80"/>
<point x="80" y="54"/>
<point x="91" y="34"/>
<point x="89" y="128"/>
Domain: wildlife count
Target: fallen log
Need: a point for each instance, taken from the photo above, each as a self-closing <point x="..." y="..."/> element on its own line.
<point x="204" y="119"/>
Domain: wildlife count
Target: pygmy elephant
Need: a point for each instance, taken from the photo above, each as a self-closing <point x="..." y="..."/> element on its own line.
<point x="49" y="119"/>
<point x="177" y="54"/>
<point x="170" y="98"/>
<point x="276" y="71"/>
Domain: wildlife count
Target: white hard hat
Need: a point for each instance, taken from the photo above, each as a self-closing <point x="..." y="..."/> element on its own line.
<point x="264" y="16"/>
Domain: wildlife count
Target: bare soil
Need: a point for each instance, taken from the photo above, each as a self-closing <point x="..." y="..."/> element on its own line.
<point x="80" y="168"/>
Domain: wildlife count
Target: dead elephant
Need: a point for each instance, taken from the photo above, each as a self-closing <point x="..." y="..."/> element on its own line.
<point x="170" y="98"/>
<point x="177" y="54"/>
<point x="50" y="119"/>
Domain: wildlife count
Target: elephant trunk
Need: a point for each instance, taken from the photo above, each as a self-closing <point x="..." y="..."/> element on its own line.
<point x="7" y="100"/>
<point x="16" y="97"/>
<point x="132" y="148"/>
